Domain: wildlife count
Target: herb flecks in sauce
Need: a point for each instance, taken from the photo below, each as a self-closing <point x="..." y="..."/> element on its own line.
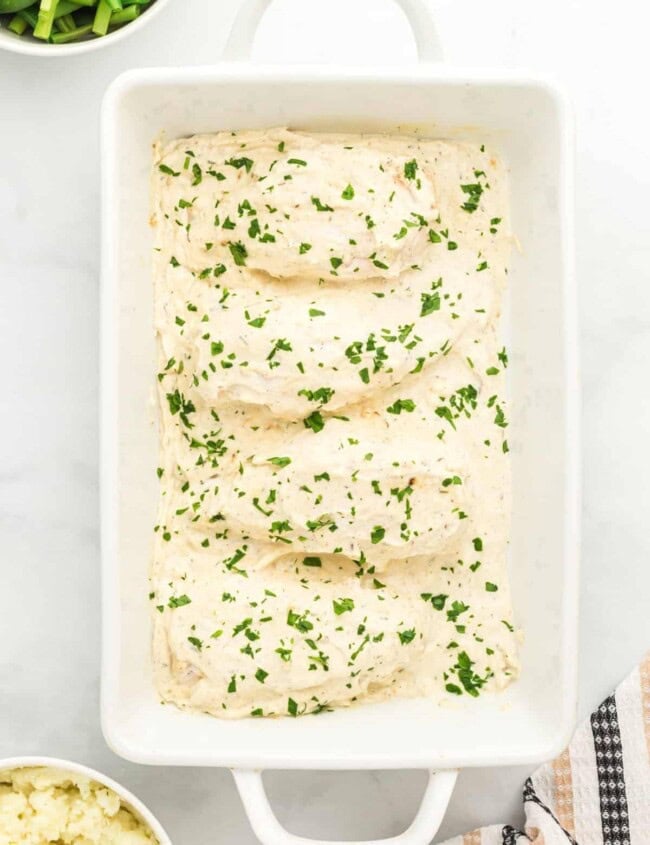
<point x="334" y="414"/>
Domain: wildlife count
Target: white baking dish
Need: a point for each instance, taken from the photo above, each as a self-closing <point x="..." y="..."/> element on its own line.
<point x="527" y="121"/>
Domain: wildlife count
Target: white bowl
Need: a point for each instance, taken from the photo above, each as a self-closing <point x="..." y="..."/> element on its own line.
<point x="30" y="46"/>
<point x="127" y="797"/>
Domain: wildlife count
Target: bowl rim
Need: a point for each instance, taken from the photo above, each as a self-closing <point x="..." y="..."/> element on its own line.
<point x="32" y="47"/>
<point x="33" y="762"/>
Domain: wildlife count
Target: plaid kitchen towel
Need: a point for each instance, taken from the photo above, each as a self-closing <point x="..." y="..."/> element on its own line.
<point x="597" y="792"/>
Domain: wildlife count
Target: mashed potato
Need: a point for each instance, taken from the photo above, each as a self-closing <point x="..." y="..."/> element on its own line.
<point x="40" y="805"/>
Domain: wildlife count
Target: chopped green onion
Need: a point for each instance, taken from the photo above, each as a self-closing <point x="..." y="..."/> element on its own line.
<point x="30" y="17"/>
<point x="63" y="21"/>
<point x="66" y="7"/>
<point x="125" y="15"/>
<point x="46" y="12"/>
<point x="17" y="25"/>
<point x="102" y="18"/>
<point x="74" y="35"/>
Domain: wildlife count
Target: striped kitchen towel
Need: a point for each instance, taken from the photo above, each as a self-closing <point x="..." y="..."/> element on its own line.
<point x="597" y="792"/>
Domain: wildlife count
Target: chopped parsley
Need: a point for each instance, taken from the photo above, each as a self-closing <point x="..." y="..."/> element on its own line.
<point x="164" y="168"/>
<point x="342" y="606"/>
<point x="178" y="404"/>
<point x="474" y="192"/>
<point x="377" y="534"/>
<point x="239" y="253"/>
<point x="320" y="206"/>
<point x="312" y="561"/>
<point x="179" y="601"/>
<point x="411" y="169"/>
<point x="438" y="602"/>
<point x="399" y="405"/>
<point x="279" y="462"/>
<point x="238" y="163"/>
<point x="314" y="421"/>
<point x="321" y="395"/>
<point x="197" y="174"/>
<point x="430" y="303"/>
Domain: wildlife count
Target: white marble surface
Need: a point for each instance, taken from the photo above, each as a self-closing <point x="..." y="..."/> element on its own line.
<point x="49" y="238"/>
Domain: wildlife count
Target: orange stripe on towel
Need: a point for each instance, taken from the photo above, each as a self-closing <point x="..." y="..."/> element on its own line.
<point x="644" y="674"/>
<point x="564" y="791"/>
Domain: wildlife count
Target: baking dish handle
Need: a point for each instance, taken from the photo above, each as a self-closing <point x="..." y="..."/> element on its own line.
<point x="270" y="832"/>
<point x="240" y="41"/>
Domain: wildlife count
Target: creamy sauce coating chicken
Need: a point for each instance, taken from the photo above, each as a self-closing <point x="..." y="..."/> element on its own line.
<point x="334" y="503"/>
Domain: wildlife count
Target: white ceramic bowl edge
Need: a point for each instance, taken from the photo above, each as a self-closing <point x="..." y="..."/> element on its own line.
<point x="32" y="47"/>
<point x="77" y="768"/>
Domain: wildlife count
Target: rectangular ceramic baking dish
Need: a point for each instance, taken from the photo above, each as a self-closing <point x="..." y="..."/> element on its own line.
<point x="525" y="120"/>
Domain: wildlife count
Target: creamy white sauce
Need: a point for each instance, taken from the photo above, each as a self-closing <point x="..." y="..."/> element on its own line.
<point x="334" y="508"/>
